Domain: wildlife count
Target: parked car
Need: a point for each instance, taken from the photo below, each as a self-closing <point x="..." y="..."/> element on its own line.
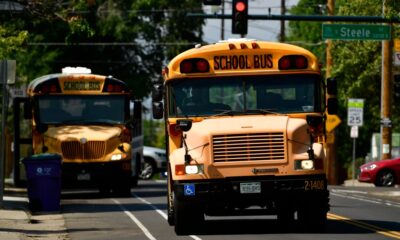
<point x="381" y="173"/>
<point x="154" y="161"/>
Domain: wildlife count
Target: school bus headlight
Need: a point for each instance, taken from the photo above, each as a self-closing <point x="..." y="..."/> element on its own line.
<point x="304" y="165"/>
<point x="182" y="169"/>
<point x="194" y="169"/>
<point x="115" y="157"/>
<point x="119" y="156"/>
<point x="307" y="164"/>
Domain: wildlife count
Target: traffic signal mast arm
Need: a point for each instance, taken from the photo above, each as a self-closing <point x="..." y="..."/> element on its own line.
<point x="375" y="19"/>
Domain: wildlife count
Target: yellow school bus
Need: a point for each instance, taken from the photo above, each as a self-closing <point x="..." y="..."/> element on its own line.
<point x="245" y="132"/>
<point x="87" y="119"/>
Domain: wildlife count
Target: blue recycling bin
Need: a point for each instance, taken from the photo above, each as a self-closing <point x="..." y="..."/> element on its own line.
<point x="43" y="172"/>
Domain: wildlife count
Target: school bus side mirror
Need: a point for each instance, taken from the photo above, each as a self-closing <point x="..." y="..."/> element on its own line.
<point x="158" y="110"/>
<point x="157" y="92"/>
<point x="27" y="109"/>
<point x="332" y="105"/>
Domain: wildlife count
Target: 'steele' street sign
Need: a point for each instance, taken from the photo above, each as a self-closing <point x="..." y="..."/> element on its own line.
<point x="356" y="32"/>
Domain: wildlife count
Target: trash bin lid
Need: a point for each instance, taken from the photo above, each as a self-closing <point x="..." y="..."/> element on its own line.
<point x="44" y="157"/>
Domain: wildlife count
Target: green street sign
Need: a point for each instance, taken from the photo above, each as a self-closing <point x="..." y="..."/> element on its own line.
<point x="356" y="32"/>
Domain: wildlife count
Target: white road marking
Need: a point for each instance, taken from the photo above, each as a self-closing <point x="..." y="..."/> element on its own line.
<point x="135" y="220"/>
<point x="160" y="212"/>
<point x="15" y="199"/>
<point x="348" y="191"/>
<point x="364" y="199"/>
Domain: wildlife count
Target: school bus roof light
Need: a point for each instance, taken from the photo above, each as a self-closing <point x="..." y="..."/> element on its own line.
<point x="186" y="66"/>
<point x="114" y="85"/>
<point x="293" y="62"/>
<point x="194" y="65"/>
<point x="232" y="46"/>
<point x="48" y="87"/>
<point x="255" y="45"/>
<point x="202" y="65"/>
<point x="243" y="46"/>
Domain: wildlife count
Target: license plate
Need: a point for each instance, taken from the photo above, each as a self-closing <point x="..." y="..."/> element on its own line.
<point x="251" y="187"/>
<point x="83" y="177"/>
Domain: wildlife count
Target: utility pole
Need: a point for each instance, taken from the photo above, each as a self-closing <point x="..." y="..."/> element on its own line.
<point x="223" y="20"/>
<point x="283" y="12"/>
<point x="331" y="170"/>
<point x="386" y="94"/>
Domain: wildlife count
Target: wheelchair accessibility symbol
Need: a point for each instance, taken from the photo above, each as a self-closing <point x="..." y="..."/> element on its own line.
<point x="189" y="190"/>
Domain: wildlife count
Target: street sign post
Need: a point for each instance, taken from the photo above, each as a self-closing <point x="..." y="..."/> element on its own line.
<point x="355" y="112"/>
<point x="356" y="32"/>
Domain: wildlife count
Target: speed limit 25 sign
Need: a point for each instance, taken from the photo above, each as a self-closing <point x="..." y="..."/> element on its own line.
<point x="355" y="112"/>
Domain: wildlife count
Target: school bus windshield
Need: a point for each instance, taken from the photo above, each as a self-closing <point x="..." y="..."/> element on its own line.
<point x="294" y="93"/>
<point x="86" y="109"/>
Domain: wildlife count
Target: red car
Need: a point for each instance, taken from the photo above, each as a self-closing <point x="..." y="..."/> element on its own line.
<point x="381" y="173"/>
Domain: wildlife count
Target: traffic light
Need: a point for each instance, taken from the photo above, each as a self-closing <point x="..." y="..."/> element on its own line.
<point x="239" y="16"/>
<point x="396" y="87"/>
<point x="212" y="2"/>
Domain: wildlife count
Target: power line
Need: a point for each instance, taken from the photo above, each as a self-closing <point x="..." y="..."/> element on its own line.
<point x="111" y="44"/>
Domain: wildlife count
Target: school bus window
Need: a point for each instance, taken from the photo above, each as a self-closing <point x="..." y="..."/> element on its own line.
<point x="245" y="95"/>
<point x="79" y="109"/>
<point x="202" y="98"/>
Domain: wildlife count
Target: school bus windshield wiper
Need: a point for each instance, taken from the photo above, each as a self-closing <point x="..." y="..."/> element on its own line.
<point x="86" y="121"/>
<point x="224" y="112"/>
<point x="265" y="111"/>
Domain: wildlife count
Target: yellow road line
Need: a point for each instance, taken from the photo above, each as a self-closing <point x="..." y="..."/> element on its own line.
<point x="383" y="231"/>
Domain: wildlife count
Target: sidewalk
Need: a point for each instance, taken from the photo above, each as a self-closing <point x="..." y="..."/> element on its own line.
<point x="356" y="183"/>
<point x="17" y="222"/>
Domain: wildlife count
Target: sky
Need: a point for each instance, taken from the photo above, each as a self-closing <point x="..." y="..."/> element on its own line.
<point x="257" y="29"/>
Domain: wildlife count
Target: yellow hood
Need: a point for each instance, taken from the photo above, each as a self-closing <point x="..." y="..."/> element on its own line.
<point x="76" y="132"/>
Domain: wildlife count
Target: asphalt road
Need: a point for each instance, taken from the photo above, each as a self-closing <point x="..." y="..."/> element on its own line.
<point x="356" y="213"/>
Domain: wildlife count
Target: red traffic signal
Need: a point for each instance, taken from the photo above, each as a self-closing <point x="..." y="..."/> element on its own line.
<point x="239" y="16"/>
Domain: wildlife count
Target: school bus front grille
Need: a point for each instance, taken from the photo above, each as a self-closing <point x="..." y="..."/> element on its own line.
<point x="91" y="150"/>
<point x="249" y="147"/>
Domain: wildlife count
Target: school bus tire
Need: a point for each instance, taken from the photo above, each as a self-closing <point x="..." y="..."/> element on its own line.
<point x="285" y="217"/>
<point x="104" y="190"/>
<point x="122" y="188"/>
<point x="170" y="209"/>
<point x="313" y="215"/>
<point x="187" y="217"/>
<point x="170" y="198"/>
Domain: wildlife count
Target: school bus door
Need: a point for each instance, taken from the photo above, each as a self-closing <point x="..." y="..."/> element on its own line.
<point x="22" y="143"/>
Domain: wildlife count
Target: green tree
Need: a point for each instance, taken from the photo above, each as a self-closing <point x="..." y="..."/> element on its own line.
<point x="308" y="34"/>
<point x="131" y="40"/>
<point x="357" y="67"/>
<point x="154" y="133"/>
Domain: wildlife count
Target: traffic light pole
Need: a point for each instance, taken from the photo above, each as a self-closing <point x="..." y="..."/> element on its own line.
<point x="331" y="165"/>
<point x="370" y="19"/>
